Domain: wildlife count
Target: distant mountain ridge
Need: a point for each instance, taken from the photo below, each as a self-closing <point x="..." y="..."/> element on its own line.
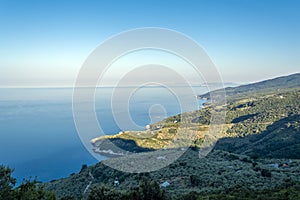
<point x="283" y="82"/>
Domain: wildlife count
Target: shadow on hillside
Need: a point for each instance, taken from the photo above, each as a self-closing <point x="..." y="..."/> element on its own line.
<point x="244" y="118"/>
<point x="280" y="140"/>
<point x="115" y="147"/>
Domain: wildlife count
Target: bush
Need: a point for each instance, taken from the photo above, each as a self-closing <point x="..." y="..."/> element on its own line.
<point x="194" y="180"/>
<point x="266" y="173"/>
<point x="172" y="130"/>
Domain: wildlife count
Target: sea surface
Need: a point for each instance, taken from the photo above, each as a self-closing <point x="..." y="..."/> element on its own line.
<point x="39" y="136"/>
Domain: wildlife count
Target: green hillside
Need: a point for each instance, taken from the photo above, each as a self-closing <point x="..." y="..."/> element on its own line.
<point x="219" y="174"/>
<point x="257" y="156"/>
<point x="264" y="119"/>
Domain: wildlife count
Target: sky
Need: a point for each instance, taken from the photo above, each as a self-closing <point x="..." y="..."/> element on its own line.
<point x="45" y="43"/>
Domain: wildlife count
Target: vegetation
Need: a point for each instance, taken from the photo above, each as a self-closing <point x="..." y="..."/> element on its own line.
<point x="253" y="126"/>
<point x="220" y="174"/>
<point x="147" y="190"/>
<point x="27" y="190"/>
<point x="6" y="183"/>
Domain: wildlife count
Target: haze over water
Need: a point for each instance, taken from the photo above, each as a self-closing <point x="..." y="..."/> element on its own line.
<point x="38" y="134"/>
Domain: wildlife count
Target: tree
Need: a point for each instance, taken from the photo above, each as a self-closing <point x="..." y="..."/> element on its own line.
<point x="28" y="190"/>
<point x="147" y="190"/>
<point x="104" y="193"/>
<point x="6" y="183"/>
<point x="150" y="190"/>
<point x="83" y="167"/>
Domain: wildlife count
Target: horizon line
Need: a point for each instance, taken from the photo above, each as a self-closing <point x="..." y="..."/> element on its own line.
<point x="102" y="86"/>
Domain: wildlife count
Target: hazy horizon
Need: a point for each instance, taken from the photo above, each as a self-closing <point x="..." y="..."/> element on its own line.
<point x="202" y="84"/>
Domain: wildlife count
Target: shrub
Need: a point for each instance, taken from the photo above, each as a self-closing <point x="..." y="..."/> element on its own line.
<point x="194" y="180"/>
<point x="172" y="130"/>
<point x="266" y="173"/>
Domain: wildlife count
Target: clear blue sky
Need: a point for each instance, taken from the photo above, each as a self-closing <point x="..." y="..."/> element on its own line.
<point x="45" y="42"/>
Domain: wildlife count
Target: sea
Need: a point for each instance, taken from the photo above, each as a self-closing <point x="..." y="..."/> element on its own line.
<point x="39" y="137"/>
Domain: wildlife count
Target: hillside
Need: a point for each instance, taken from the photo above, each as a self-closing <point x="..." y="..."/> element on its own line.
<point x="261" y="121"/>
<point x="219" y="173"/>
<point x="280" y="140"/>
<point x="263" y="87"/>
<point x="257" y="156"/>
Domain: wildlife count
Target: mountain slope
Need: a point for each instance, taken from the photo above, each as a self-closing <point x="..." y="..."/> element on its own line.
<point x="271" y="85"/>
<point x="280" y="140"/>
<point x="257" y="154"/>
<point x="274" y="116"/>
<point x="218" y="173"/>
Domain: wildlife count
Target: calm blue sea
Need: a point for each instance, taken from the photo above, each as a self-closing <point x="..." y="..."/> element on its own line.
<point x="38" y="134"/>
